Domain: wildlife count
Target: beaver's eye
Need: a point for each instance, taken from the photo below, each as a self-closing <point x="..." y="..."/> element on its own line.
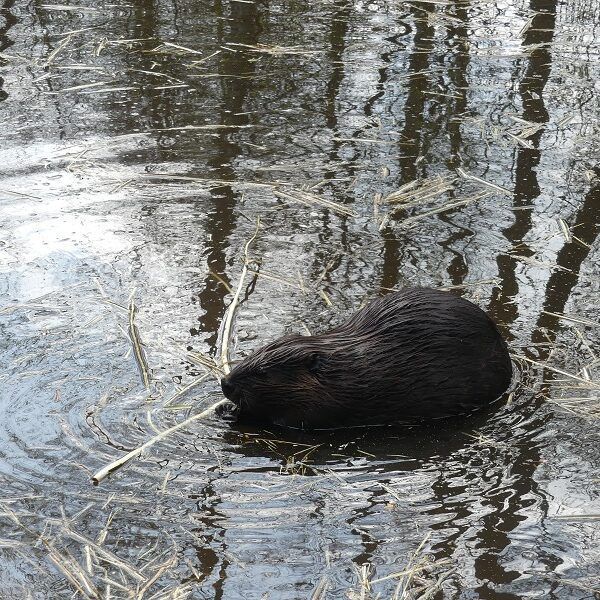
<point x="315" y="361"/>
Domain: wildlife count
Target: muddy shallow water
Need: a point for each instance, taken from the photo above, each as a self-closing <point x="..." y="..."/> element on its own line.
<point x="447" y="143"/>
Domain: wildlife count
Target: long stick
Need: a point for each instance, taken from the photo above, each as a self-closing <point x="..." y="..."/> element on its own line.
<point x="138" y="350"/>
<point x="232" y="307"/>
<point x="117" y="464"/>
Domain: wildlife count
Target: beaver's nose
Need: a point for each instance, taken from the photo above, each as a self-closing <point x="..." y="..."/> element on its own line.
<point x="229" y="389"/>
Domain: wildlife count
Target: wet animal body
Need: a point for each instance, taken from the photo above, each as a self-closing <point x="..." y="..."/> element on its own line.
<point x="413" y="355"/>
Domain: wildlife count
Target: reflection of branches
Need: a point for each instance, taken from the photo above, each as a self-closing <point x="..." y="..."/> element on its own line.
<point x="5" y="41"/>
<point x="245" y="27"/>
<point x="412" y="132"/>
<point x="569" y="261"/>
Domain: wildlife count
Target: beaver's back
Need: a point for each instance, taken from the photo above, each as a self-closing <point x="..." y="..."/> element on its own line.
<point x="417" y="353"/>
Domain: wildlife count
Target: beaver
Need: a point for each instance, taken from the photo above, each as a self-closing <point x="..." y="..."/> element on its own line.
<point x="413" y="355"/>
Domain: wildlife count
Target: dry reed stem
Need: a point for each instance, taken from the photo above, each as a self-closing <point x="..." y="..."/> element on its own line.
<point x="180" y="48"/>
<point x="278" y="279"/>
<point x="160" y="571"/>
<point x="112" y="89"/>
<point x="470" y="177"/>
<point x="68" y="7"/>
<point x="573" y="319"/>
<point x="321" y="590"/>
<point x="117" y="464"/>
<point x="312" y="200"/>
<point x="167" y="177"/>
<point x="444" y="208"/>
<point x="66" y="564"/>
<point x="194" y="64"/>
<point x="594" y="517"/>
<point x="199" y="128"/>
<point x="19" y="194"/>
<point x="13" y="307"/>
<point x="76" y="88"/>
<point x="185" y="390"/>
<point x="105" y="554"/>
<point x="207" y="362"/>
<point x="138" y="350"/>
<point x="274" y="50"/>
<point x="221" y="281"/>
<point x="588" y="383"/>
<point x="437" y="585"/>
<point x="72" y="572"/>
<point x="234" y="303"/>
<point x="61" y="46"/>
<point x="392" y="492"/>
<point x="420" y="190"/>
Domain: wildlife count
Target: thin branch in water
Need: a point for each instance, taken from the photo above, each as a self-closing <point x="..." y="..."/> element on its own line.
<point x="311" y="200"/>
<point x="444" y="208"/>
<point x="185" y="390"/>
<point x="470" y="177"/>
<point x="117" y="464"/>
<point x="105" y="554"/>
<point x="555" y="370"/>
<point x="234" y="303"/>
<point x="221" y="281"/>
<point x="138" y="350"/>
<point x="207" y="362"/>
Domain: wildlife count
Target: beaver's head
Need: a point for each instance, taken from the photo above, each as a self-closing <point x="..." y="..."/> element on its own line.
<point x="281" y="382"/>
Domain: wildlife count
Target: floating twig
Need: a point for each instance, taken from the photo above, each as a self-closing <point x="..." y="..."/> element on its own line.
<point x="470" y="177"/>
<point x="185" y="390"/>
<point x="138" y="350"/>
<point x="312" y="200"/>
<point x="555" y="370"/>
<point x="221" y="281"/>
<point x="564" y="228"/>
<point x="188" y="178"/>
<point x="282" y="280"/>
<point x="573" y="319"/>
<point x="183" y="49"/>
<point x="444" y="208"/>
<point x="418" y="191"/>
<point x="65" y="42"/>
<point x="76" y="88"/>
<point x="117" y="464"/>
<point x="207" y="362"/>
<point x="105" y="554"/>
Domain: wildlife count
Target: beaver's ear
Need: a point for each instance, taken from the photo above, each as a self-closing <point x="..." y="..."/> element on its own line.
<point x="315" y="362"/>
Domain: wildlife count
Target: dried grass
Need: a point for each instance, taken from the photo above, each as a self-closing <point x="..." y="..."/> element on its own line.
<point x="312" y="200"/>
<point x="421" y="578"/>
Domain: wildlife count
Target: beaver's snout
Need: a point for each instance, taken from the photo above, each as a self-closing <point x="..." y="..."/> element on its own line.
<point x="230" y="390"/>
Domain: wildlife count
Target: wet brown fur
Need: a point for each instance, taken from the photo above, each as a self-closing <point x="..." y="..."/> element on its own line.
<point x="410" y="355"/>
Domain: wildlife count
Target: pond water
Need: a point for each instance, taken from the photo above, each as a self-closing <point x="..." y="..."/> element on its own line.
<point x="448" y="143"/>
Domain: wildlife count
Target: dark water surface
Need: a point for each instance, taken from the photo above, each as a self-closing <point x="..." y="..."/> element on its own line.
<point x="140" y="141"/>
